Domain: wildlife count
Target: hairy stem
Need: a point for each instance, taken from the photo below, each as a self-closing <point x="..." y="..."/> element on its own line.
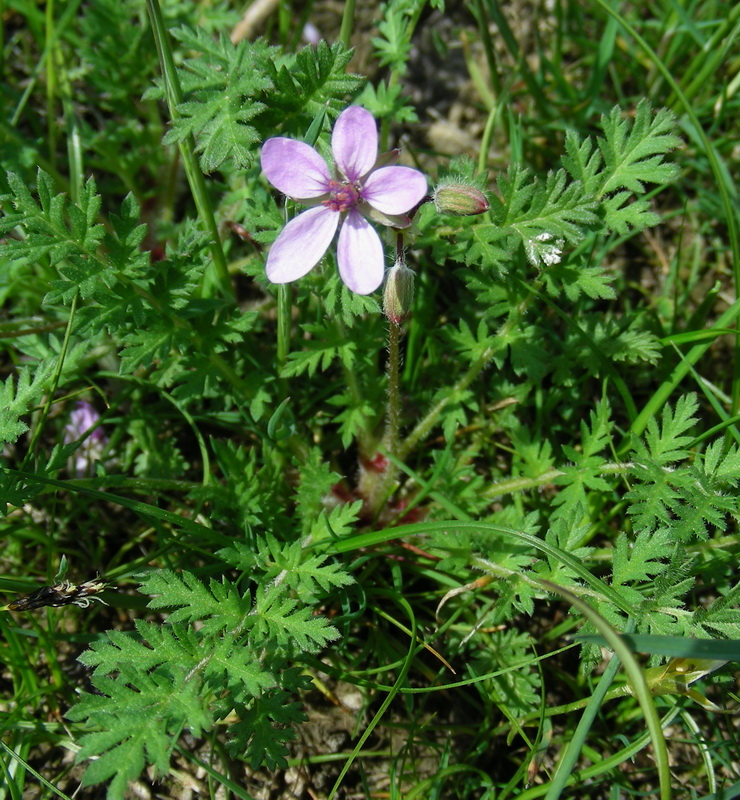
<point x="382" y="486"/>
<point x="523" y="484"/>
<point x="390" y="440"/>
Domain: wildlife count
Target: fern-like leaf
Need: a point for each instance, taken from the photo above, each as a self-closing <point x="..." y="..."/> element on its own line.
<point x="327" y="342"/>
<point x="279" y="619"/>
<point x="221" y="85"/>
<point x="218" y="606"/>
<point x="630" y="155"/>
<point x="544" y="214"/>
<point x="16" y="399"/>
<point x="311" y="82"/>
<point x="140" y="716"/>
<point x="308" y="575"/>
<point x="633" y="153"/>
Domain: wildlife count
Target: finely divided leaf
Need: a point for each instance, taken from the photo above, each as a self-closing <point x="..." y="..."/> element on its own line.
<point x="633" y="153"/>
<point x="327" y="342"/>
<point x="222" y="85"/>
<point x="280" y="619"/>
<point x="140" y="716"/>
<point x="219" y="604"/>
<point x="16" y="400"/>
<point x="543" y="214"/>
<point x="669" y="444"/>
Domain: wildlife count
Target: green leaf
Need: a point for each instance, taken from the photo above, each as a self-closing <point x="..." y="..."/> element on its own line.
<point x="218" y="606"/>
<point x="630" y="155"/>
<point x="393" y="45"/>
<point x="583" y="474"/>
<point x="641" y="559"/>
<point x="327" y="343"/>
<point x="16" y="400"/>
<point x="265" y="725"/>
<point x="542" y="214"/>
<point x="140" y="716"/>
<point x="583" y="162"/>
<point x="231" y="667"/>
<point x="279" y="619"/>
<point x="567" y="535"/>
<point x="633" y="152"/>
<point x="669" y="444"/>
<point x="337" y="522"/>
<point x="668" y="490"/>
<point x="316" y="481"/>
<point x="472" y="346"/>
<point x="221" y="85"/>
<point x="577" y="279"/>
<point x="310" y="83"/>
<point x="387" y="102"/>
<point x="356" y="415"/>
<point x="487" y="247"/>
<point x="65" y="234"/>
<point x="308" y="575"/>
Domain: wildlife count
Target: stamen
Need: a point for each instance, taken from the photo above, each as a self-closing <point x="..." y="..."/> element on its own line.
<point x="342" y="196"/>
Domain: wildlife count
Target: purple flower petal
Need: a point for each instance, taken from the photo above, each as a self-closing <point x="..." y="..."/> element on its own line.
<point x="394" y="190"/>
<point x="301" y="244"/>
<point x="354" y="142"/>
<point x="360" y="255"/>
<point x="294" y="168"/>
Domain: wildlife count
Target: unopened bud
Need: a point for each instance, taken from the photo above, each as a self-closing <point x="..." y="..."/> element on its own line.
<point x="460" y="199"/>
<point x="398" y="293"/>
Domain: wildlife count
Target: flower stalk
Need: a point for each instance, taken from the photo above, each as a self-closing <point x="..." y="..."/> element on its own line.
<point x="390" y="441"/>
<point x="398" y="295"/>
<point x="381" y="484"/>
<point x="283" y="325"/>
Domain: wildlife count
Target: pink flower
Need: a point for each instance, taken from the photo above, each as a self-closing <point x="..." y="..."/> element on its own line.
<point x="357" y="190"/>
<point x="81" y="420"/>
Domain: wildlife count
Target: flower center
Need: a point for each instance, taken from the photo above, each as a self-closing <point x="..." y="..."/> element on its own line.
<point x="342" y="196"/>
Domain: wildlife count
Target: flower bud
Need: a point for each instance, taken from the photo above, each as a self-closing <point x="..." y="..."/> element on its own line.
<point x="460" y="199"/>
<point x="398" y="293"/>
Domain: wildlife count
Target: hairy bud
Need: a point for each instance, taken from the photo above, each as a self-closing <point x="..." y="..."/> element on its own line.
<point x="460" y="199"/>
<point x="398" y="293"/>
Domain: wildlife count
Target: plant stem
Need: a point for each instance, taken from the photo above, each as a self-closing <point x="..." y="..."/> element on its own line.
<point x="348" y="21"/>
<point x="390" y="442"/>
<point x="51" y="80"/>
<point x="396" y="306"/>
<point x="219" y="274"/>
<point x="382" y="488"/>
<point x="523" y="484"/>
<point x="283" y="325"/>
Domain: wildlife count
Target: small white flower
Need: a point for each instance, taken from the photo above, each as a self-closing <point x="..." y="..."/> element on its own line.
<point x="544" y="250"/>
